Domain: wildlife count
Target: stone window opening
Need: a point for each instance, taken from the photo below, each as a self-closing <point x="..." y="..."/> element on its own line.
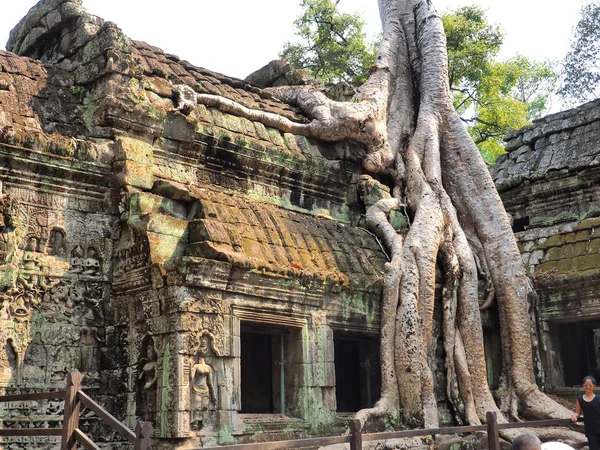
<point x="357" y="371"/>
<point x="267" y="364"/>
<point x="520" y="224"/>
<point x="580" y="351"/>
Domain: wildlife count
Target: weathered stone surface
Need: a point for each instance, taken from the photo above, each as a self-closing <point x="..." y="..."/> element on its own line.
<point x="550" y="183"/>
<point x="281" y="73"/>
<point x="141" y="246"/>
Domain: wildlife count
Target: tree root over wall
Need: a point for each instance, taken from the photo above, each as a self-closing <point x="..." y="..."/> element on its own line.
<point x="404" y="117"/>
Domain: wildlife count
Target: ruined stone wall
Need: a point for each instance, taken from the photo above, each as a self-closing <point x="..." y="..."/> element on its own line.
<point x="57" y="226"/>
<point x="139" y="240"/>
<point x="550" y="183"/>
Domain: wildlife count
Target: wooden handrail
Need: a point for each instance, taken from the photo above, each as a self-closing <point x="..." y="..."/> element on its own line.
<point x="71" y="412"/>
<point x="108" y="418"/>
<point x="143" y="434"/>
<point x="493" y="435"/>
<point x="70" y="432"/>
<point x="425" y="432"/>
<point x="356" y="438"/>
<point x="84" y="440"/>
<point x="282" y="445"/>
<point x="30" y="432"/>
<point x="535" y="424"/>
<point x="141" y="438"/>
<point x="35" y="396"/>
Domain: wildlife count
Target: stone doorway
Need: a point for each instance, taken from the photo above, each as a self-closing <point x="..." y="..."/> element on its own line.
<point x="257" y="382"/>
<point x="580" y="349"/>
<point x="268" y="363"/>
<point x="357" y="371"/>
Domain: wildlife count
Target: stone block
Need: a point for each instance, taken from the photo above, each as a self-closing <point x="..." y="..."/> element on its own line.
<point x="129" y="149"/>
<point x="179" y="128"/>
<point x="300" y="375"/>
<point x="144" y="203"/>
<point x="112" y="358"/>
<point x="167" y="225"/>
<point x="323" y="374"/>
<point x="132" y="173"/>
<point x="329" y="398"/>
<point x="171" y="190"/>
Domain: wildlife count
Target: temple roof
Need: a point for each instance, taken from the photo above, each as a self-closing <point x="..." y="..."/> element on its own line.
<point x="269" y="201"/>
<point x="563" y="141"/>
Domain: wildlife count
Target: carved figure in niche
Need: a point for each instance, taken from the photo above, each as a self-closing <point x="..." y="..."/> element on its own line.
<point x="57" y="245"/>
<point x="58" y="299"/>
<point x="77" y="259"/>
<point x="149" y="372"/>
<point x="12" y="229"/>
<point x="63" y="362"/>
<point x="148" y="375"/>
<point x="30" y="259"/>
<point x="202" y="392"/>
<point x="87" y="349"/>
<point x="91" y="264"/>
<point x="8" y="363"/>
<point x="86" y="297"/>
<point x="36" y="360"/>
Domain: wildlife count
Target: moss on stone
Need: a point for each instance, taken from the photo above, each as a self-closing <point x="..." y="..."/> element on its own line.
<point x="224" y="436"/>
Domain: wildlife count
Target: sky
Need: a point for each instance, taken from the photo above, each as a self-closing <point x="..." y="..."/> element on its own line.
<point x="237" y="37"/>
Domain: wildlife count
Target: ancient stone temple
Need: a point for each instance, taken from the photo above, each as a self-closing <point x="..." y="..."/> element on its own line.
<point x="211" y="274"/>
<point x="550" y="183"/>
<point x="203" y="271"/>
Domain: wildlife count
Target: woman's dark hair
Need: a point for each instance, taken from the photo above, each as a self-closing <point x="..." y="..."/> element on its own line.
<point x="592" y="379"/>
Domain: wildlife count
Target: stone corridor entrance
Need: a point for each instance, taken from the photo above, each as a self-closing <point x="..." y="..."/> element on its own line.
<point x="257" y="367"/>
<point x="580" y="349"/>
<point x="357" y="372"/>
<point x="267" y="365"/>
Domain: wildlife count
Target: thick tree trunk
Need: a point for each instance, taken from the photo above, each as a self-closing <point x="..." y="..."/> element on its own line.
<point x="404" y="117"/>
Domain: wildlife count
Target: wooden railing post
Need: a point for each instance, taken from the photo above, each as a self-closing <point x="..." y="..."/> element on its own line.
<point x="143" y="433"/>
<point x="493" y="436"/>
<point x="71" y="414"/>
<point x="356" y="441"/>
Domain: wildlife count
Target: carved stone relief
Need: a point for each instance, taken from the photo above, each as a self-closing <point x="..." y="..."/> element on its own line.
<point x="48" y="277"/>
<point x="202" y="381"/>
<point x="147" y="380"/>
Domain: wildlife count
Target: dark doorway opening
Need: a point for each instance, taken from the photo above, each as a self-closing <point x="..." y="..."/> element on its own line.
<point x="520" y="224"/>
<point x="271" y="362"/>
<point x="257" y="382"/>
<point x="580" y="350"/>
<point x="357" y="372"/>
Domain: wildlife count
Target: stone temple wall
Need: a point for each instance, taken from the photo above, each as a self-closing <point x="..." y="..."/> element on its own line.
<point x="550" y="183"/>
<point x="145" y="246"/>
<point x="171" y="253"/>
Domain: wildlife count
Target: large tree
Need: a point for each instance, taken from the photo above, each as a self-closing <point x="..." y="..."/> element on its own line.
<point x="333" y="45"/>
<point x="492" y="96"/>
<point x="414" y="140"/>
<point x="581" y="70"/>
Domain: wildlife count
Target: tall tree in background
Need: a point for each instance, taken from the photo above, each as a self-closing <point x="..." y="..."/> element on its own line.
<point x="581" y="69"/>
<point x="414" y="140"/>
<point x="491" y="96"/>
<point x="333" y="45"/>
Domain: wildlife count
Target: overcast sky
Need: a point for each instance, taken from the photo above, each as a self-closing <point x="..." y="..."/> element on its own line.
<point x="236" y="37"/>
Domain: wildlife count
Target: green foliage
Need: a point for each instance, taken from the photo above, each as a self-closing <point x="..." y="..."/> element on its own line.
<point x="492" y="96"/>
<point x="472" y="44"/>
<point x="392" y="422"/>
<point x="580" y="71"/>
<point x="333" y="45"/>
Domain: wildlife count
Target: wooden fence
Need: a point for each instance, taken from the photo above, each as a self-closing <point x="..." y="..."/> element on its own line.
<point x="141" y="439"/>
<point x="356" y="437"/>
<point x="71" y="434"/>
